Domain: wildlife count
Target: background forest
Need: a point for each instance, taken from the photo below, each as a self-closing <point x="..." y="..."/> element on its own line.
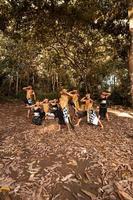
<point x="51" y="44"/>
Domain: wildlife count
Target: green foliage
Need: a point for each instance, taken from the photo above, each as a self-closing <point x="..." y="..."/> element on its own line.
<point x="54" y="44"/>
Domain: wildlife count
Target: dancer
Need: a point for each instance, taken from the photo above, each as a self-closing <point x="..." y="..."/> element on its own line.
<point x="93" y="119"/>
<point x="54" y="106"/>
<point x="46" y="108"/>
<point x="104" y="105"/>
<point x="63" y="101"/>
<point x="38" y="113"/>
<point x="88" y="102"/>
<point x="75" y="99"/>
<point x="30" y="98"/>
<point x="57" y="111"/>
<point x="45" y="104"/>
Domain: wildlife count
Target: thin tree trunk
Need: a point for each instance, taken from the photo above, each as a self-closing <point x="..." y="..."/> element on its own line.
<point x="53" y="82"/>
<point x="28" y="79"/>
<point x="114" y="81"/>
<point x="10" y="84"/>
<point x="17" y="82"/>
<point x="20" y="84"/>
<point x="57" y="80"/>
<point x="33" y="80"/>
<point x="86" y="84"/>
<point x="130" y="15"/>
<point x="131" y="68"/>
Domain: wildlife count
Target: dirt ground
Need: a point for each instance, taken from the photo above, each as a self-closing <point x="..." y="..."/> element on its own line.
<point x="39" y="163"/>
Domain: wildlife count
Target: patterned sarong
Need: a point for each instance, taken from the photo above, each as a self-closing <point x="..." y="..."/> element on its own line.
<point x="93" y="119"/>
<point x="66" y="115"/>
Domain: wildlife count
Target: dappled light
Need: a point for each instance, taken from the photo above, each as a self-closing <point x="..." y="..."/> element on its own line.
<point x="122" y="114"/>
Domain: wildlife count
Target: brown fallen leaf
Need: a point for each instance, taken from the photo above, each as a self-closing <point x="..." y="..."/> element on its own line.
<point x="37" y="195"/>
<point x="125" y="195"/>
<point x="67" y="177"/>
<point x="72" y="162"/>
<point x="66" y="188"/>
<point x="130" y="179"/>
<point x="5" y="196"/>
<point x="108" y="189"/>
<point x="89" y="194"/>
<point x="56" y="197"/>
<point x="80" y="196"/>
<point x="122" y="194"/>
<point x="87" y="175"/>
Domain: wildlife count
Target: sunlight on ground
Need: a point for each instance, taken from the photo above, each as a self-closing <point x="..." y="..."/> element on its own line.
<point x="121" y="114"/>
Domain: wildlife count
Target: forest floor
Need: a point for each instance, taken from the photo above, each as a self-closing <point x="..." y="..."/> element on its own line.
<point x="39" y="163"/>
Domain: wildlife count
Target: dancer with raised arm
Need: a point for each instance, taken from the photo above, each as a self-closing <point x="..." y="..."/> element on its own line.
<point x="88" y="102"/>
<point x="38" y="113"/>
<point x="63" y="101"/>
<point x="30" y="97"/>
<point x="103" y="113"/>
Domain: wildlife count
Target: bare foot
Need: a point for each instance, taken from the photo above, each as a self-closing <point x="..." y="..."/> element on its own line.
<point x="69" y="131"/>
<point x="58" y="130"/>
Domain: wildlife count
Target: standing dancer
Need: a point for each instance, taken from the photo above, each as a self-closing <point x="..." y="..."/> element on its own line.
<point x="75" y="99"/>
<point x="88" y="105"/>
<point x="104" y="105"/>
<point x="30" y="98"/>
<point x="58" y="113"/>
<point x="88" y="102"/>
<point x="63" y="101"/>
<point x="90" y="113"/>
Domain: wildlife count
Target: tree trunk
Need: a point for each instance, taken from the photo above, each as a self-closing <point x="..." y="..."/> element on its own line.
<point x="28" y="79"/>
<point x="53" y="82"/>
<point x="33" y="80"/>
<point x="10" y="84"/>
<point x="57" y="81"/>
<point x="17" y="82"/>
<point x="131" y="68"/>
<point x="130" y="15"/>
<point x="20" y="84"/>
<point x="114" y="81"/>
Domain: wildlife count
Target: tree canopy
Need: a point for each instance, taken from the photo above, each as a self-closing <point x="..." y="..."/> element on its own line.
<point x="72" y="43"/>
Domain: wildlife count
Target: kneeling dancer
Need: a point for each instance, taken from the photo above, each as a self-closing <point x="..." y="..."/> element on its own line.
<point x="93" y="119"/>
<point x="38" y="114"/>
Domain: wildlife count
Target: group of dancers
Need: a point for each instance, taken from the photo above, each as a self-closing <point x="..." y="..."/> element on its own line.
<point x="69" y="109"/>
